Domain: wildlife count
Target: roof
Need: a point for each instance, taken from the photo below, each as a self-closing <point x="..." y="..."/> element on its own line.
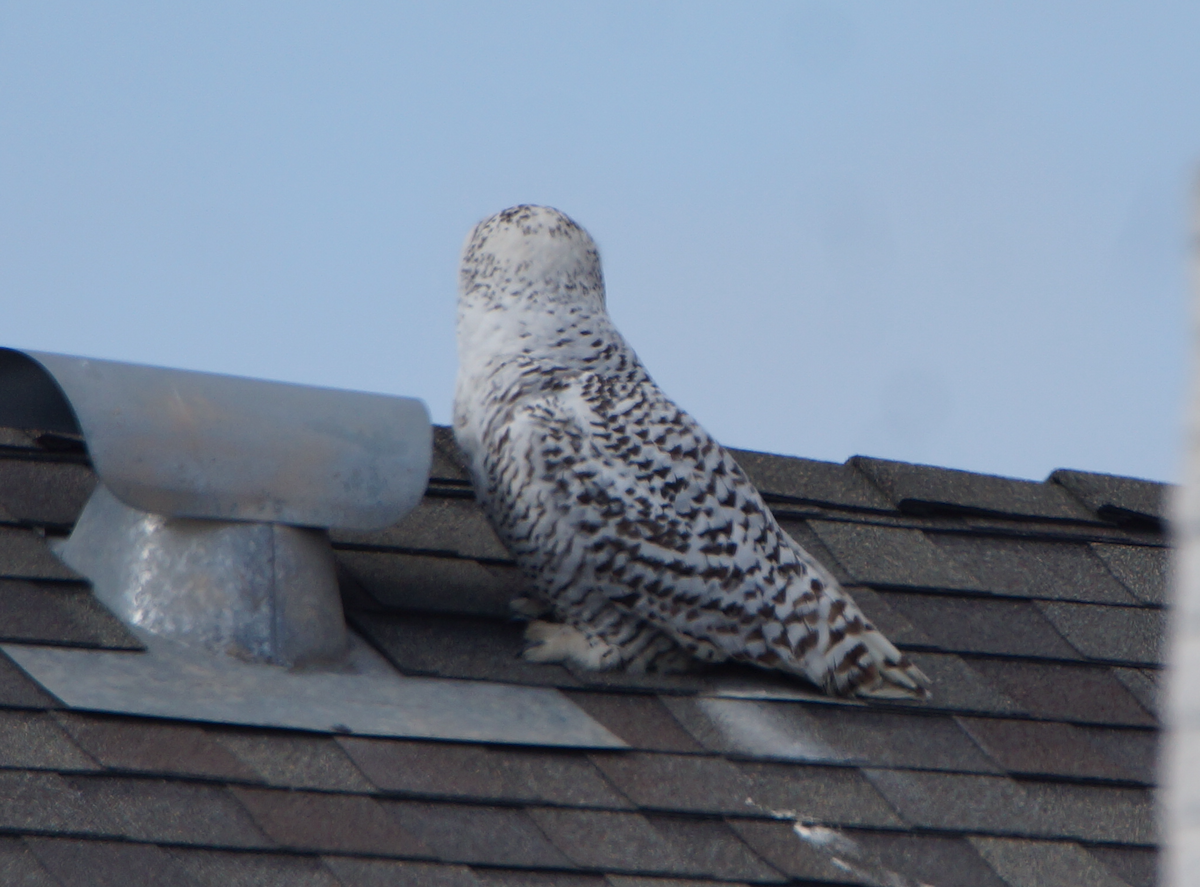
<point x="1035" y="608"/>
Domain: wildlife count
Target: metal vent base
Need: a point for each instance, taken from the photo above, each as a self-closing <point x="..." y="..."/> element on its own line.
<point x="364" y="695"/>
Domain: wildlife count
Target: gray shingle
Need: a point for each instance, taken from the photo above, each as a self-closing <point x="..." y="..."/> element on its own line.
<point x="974" y="625"/>
<point x="1112" y="634"/>
<point x="476" y="772"/>
<point x="107" y="863"/>
<point x="18" y="690"/>
<point x="1043" y="748"/>
<point x="896" y="627"/>
<point x="713" y="849"/>
<point x="892" y="556"/>
<point x="780" y="845"/>
<point x="293" y="760"/>
<point x="46" y="802"/>
<point x="1136" y="751"/>
<point x="639" y="719"/>
<point x="689" y="783"/>
<point x="395" y="873"/>
<point x="34" y="741"/>
<point x="957" y="802"/>
<point x="1094" y="813"/>
<point x="20" y="868"/>
<point x="218" y="868"/>
<point x="444" y="646"/>
<point x="613" y="841"/>
<point x="329" y="823"/>
<point x="1144" y="684"/>
<point x="942" y="861"/>
<point x="169" y="812"/>
<point x="1137" y="866"/>
<point x="24" y="555"/>
<point x="1084" y="694"/>
<point x="151" y="746"/>
<point x="925" y="489"/>
<point x="448" y="461"/>
<point x="1117" y="499"/>
<point x="59" y="613"/>
<point x="1033" y="568"/>
<point x="808" y="480"/>
<point x="452" y="526"/>
<point x="1142" y="569"/>
<point x="1044" y="863"/>
<point x="43" y="492"/>
<point x="482" y="835"/>
<point x="829" y="795"/>
<point x="958" y="686"/>
<point x="438" y="584"/>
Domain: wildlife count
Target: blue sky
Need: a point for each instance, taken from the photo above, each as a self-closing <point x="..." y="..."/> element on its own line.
<point x="938" y="232"/>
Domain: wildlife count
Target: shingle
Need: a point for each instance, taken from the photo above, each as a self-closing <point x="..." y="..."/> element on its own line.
<point x="59" y="613"/>
<point x="328" y="823"/>
<point x="803" y="534"/>
<point x="1141" y="568"/>
<point x="1044" y="863"/>
<point x="478" y="834"/>
<point x="219" y="868"/>
<point x="20" y="868"/>
<point x="830" y="795"/>
<point x="809" y="480"/>
<point x="436" y="584"/>
<point x="927" y="859"/>
<point x="958" y="802"/>
<point x="34" y="741"/>
<point x="1118" y="499"/>
<point x="896" y="627"/>
<point x="1143" y="683"/>
<point x="611" y="841"/>
<point x="1135" y="751"/>
<point x="455" y="526"/>
<point x="457" y="647"/>
<point x="712" y="848"/>
<point x="44" y="802"/>
<point x="16" y="439"/>
<point x="477" y="772"/>
<point x="924" y="489"/>
<point x="1084" y="694"/>
<point x="291" y="760"/>
<point x="892" y="556"/>
<point x="107" y="863"/>
<point x="448" y="460"/>
<point x="1137" y="867"/>
<point x="779" y="845"/>
<point x="1094" y="813"/>
<point x="1120" y="634"/>
<point x="152" y="746"/>
<point x="395" y="873"/>
<point x="750" y="727"/>
<point x="639" y="719"/>
<point x="170" y="812"/>
<point x="24" y="555"/>
<point x="652" y="881"/>
<point x="17" y="689"/>
<point x="975" y="625"/>
<point x="526" y="878"/>
<point x="957" y="686"/>
<point x="45" y="493"/>
<point x="691" y="783"/>
<point x="1033" y="568"/>
<point x="1043" y="748"/>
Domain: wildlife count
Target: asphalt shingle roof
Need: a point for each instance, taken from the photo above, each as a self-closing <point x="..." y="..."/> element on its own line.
<point x="1035" y="608"/>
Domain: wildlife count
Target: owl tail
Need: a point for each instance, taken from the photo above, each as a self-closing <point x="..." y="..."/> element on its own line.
<point x="868" y="664"/>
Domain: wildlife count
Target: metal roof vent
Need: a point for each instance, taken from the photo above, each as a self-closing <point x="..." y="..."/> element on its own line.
<point x="208" y="525"/>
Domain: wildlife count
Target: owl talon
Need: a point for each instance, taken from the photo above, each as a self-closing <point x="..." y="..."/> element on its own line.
<point x="557" y="642"/>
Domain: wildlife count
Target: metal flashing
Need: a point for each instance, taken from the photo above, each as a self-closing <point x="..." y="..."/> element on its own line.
<point x="363" y="695"/>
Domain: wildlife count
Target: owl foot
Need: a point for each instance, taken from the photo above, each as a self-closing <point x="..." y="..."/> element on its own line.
<point x="558" y="642"/>
<point x="528" y="607"/>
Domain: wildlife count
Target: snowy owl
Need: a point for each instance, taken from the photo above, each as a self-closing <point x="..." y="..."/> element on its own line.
<point x="645" y="544"/>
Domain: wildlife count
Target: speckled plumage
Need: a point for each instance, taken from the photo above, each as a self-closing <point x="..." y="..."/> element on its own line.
<point x="642" y="537"/>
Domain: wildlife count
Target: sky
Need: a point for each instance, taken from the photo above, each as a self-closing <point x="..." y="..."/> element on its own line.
<point x="947" y="233"/>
